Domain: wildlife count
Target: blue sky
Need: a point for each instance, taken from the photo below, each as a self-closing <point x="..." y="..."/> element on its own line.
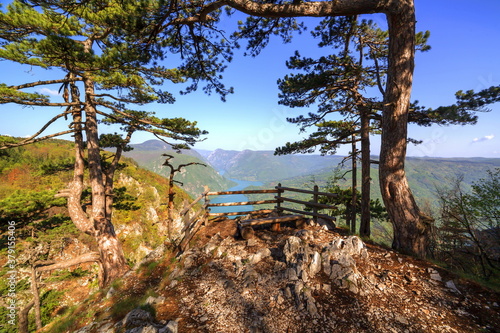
<point x="465" y="55"/>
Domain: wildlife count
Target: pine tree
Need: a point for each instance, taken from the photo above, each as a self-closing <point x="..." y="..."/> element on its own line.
<point x="106" y="59"/>
<point x="337" y="84"/>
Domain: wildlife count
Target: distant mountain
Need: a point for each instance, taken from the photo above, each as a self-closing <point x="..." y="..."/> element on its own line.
<point x="425" y="176"/>
<point x="265" y="166"/>
<point x="157" y="145"/>
<point x="149" y="156"/>
<point x="204" y="153"/>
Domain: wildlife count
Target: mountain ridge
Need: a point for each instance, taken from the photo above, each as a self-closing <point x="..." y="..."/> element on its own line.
<point x="192" y="178"/>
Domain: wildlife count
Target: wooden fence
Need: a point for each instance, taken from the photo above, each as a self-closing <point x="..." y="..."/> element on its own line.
<point x="279" y="199"/>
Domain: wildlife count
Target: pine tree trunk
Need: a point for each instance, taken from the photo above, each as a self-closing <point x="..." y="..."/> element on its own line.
<point x="411" y="228"/>
<point x="36" y="299"/>
<point x="97" y="222"/>
<point x="23" y="324"/>
<point x="110" y="249"/>
<point x="354" y="185"/>
<point x="364" y="227"/>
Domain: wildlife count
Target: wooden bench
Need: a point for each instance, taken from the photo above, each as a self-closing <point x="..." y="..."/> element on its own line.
<point x="246" y="230"/>
<point x="267" y="220"/>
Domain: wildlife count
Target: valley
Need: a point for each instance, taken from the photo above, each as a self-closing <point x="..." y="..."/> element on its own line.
<point x="425" y="175"/>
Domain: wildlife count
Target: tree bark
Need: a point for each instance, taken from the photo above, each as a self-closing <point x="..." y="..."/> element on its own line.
<point x="364" y="227"/>
<point x="86" y="257"/>
<point x="110" y="249"/>
<point x="74" y="192"/>
<point x="97" y="222"/>
<point x="109" y="182"/>
<point x="22" y="326"/>
<point x="36" y="298"/>
<point x="411" y="227"/>
<point x="354" y="185"/>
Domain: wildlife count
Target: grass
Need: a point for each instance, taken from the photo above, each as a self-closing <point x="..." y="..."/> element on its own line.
<point x="67" y="274"/>
<point x="124" y="306"/>
<point x="67" y="324"/>
<point x="493" y="282"/>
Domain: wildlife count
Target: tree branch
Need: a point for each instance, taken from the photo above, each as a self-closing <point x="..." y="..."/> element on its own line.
<point x="310" y="9"/>
<point x="25" y="142"/>
<point x="18" y="101"/>
<point x="65" y="113"/>
<point x="42" y="83"/>
<point x="86" y="257"/>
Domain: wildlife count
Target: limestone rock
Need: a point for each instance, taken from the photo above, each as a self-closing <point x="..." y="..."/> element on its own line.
<point x="291" y="248"/>
<point x="172" y="327"/>
<point x="315" y="265"/>
<point x="136" y="318"/>
<point x="263" y="253"/>
<point x="144" y="329"/>
<point x="451" y="285"/>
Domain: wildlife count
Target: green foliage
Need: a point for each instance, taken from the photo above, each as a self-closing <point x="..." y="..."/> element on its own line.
<point x="125" y="305"/>
<point x="335" y="83"/>
<point x="123" y="200"/>
<point x="51" y="166"/>
<point x="8" y="154"/>
<point x="67" y="274"/>
<point x="113" y="141"/>
<point x="258" y="30"/>
<point x="343" y="201"/>
<point x="5" y="327"/>
<point x="461" y="113"/>
<point x="24" y="206"/>
<point x="468" y="237"/>
<point x="50" y="300"/>
<point x="21" y="285"/>
<point x="65" y="325"/>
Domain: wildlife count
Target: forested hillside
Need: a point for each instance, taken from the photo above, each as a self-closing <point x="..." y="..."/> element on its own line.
<point x="193" y="177"/>
<point x="265" y="166"/>
<point x="424" y="174"/>
<point x="30" y="176"/>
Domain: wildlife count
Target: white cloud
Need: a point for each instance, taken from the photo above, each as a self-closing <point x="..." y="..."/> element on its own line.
<point x="484" y="138"/>
<point x="48" y="91"/>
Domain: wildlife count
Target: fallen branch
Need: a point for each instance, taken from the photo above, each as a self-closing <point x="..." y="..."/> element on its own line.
<point x="87" y="257"/>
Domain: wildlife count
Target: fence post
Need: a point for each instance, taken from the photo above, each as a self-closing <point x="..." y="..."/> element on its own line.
<point x="315" y="199"/>
<point x="278" y="199"/>
<point x="206" y="208"/>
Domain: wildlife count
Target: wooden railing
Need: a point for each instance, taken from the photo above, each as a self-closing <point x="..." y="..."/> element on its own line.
<point x="202" y="215"/>
<point x="244" y="203"/>
<point x="278" y="199"/>
<point x="191" y="225"/>
<point x="313" y="203"/>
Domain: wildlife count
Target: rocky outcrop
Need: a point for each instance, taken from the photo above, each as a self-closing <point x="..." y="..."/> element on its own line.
<point x="136" y="321"/>
<point x="310" y="280"/>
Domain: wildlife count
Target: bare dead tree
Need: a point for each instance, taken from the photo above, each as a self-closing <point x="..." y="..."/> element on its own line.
<point x="171" y="181"/>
